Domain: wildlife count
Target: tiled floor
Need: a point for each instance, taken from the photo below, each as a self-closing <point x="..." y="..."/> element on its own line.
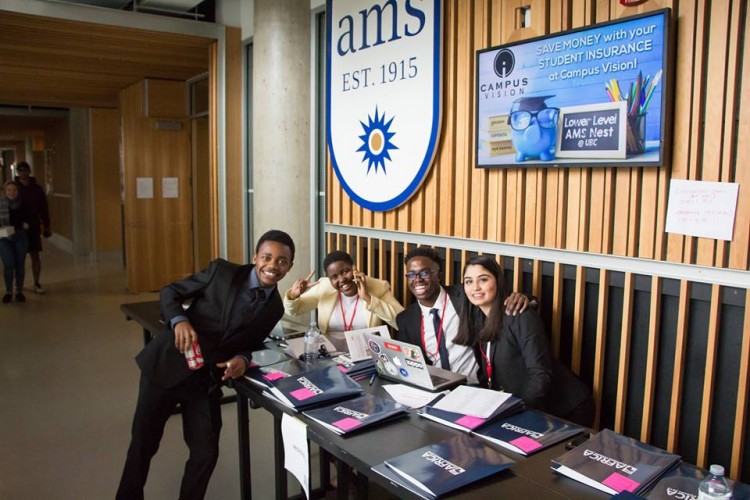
<point x="68" y="385"/>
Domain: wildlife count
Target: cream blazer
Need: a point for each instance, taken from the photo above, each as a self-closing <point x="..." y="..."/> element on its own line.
<point x="383" y="307"/>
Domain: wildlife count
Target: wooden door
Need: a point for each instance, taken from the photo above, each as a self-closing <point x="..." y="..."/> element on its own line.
<point x="155" y="157"/>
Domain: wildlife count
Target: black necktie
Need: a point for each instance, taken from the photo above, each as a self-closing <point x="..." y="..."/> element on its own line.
<point x="445" y="362"/>
<point x="245" y="305"/>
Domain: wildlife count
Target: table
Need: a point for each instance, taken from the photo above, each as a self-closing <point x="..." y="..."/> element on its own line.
<point x="531" y="476"/>
<point x="147" y="314"/>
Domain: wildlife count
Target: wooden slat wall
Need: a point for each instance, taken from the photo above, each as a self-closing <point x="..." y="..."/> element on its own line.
<point x="618" y="211"/>
<point x="612" y="211"/>
<point x="624" y="412"/>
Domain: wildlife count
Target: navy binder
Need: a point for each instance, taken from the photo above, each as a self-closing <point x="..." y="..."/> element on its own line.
<point x="437" y="469"/>
<point x="314" y="387"/>
<point x="612" y="463"/>
<point x="356" y="414"/>
<point x="465" y="422"/>
<point x="266" y="376"/>
<point x="528" y="432"/>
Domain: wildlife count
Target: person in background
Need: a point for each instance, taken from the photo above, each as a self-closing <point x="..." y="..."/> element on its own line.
<point x="35" y="203"/>
<point x="13" y="247"/>
<point x="346" y="299"/>
<point x="234" y="307"/>
<point x="513" y="351"/>
<point x="432" y="321"/>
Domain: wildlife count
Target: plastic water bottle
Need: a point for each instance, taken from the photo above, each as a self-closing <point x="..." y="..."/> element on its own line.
<point x="313" y="341"/>
<point x="715" y="485"/>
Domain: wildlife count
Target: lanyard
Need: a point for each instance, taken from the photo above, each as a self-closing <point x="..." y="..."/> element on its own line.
<point x="487" y="363"/>
<point x="343" y="314"/>
<point x="438" y="334"/>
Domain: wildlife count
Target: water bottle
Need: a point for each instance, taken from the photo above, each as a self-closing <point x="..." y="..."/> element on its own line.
<point x="313" y="341"/>
<point x="715" y="485"/>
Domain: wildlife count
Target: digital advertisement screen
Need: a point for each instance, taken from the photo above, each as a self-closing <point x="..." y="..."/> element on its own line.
<point x="589" y="97"/>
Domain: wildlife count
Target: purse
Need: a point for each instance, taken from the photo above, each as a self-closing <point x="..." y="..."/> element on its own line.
<point x="7" y="231"/>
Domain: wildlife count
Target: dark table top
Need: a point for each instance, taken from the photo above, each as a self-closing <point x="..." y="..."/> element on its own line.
<point x="530" y="476"/>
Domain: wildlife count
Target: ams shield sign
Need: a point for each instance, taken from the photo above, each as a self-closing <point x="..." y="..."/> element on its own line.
<point x="383" y="95"/>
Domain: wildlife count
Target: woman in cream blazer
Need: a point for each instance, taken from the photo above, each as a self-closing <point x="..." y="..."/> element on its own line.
<point x="346" y="299"/>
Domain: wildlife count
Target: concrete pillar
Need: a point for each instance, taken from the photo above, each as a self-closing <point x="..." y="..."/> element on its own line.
<point x="281" y="124"/>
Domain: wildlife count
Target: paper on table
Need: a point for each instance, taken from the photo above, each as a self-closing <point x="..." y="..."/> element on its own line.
<point x="474" y="401"/>
<point x="296" y="450"/>
<point x="357" y="345"/>
<point x="410" y="396"/>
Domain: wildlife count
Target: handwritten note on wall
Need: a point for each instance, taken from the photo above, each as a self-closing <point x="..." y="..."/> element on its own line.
<point x="701" y="208"/>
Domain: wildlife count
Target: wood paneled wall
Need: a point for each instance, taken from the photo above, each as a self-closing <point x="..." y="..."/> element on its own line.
<point x="617" y="211"/>
<point x="105" y="165"/>
<point x="668" y="360"/>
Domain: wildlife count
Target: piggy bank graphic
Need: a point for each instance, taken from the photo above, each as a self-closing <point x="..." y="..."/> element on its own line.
<point x="534" y="128"/>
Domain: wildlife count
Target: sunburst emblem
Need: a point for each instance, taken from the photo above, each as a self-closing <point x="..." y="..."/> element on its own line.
<point x="376" y="141"/>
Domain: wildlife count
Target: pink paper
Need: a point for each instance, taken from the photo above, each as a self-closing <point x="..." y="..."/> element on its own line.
<point x="302" y="394"/>
<point x="347" y="423"/>
<point x="274" y="376"/>
<point x="470" y="421"/>
<point x="619" y="483"/>
<point x="526" y="444"/>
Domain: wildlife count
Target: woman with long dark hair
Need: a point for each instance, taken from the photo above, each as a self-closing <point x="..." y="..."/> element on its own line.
<point x="513" y="352"/>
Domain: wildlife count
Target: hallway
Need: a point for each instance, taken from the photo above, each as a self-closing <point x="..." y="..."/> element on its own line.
<point x="69" y="386"/>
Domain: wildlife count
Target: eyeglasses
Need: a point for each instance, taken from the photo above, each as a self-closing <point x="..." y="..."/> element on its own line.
<point x="521" y="120"/>
<point x="424" y="274"/>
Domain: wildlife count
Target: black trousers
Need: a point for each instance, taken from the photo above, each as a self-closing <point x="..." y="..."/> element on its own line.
<point x="198" y="397"/>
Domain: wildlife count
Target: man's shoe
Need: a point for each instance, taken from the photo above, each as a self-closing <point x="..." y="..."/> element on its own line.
<point x="7" y="297"/>
<point x="38" y="289"/>
<point x="20" y="297"/>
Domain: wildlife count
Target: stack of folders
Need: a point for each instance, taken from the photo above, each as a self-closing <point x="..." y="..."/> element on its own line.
<point x="313" y="387"/>
<point x="264" y="377"/>
<point x="613" y="463"/>
<point x="682" y="483"/>
<point x="468" y="408"/>
<point x="356" y="414"/>
<point x="358" y="370"/>
<point x="440" y="468"/>
<point x="528" y="432"/>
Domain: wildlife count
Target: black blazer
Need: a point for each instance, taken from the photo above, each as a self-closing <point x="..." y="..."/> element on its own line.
<point x="212" y="292"/>
<point x="409" y="321"/>
<point x="523" y="365"/>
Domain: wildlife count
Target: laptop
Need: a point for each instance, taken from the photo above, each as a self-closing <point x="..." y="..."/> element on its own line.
<point x="402" y="362"/>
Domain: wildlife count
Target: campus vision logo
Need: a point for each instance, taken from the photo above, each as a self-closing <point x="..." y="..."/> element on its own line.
<point x="506" y="85"/>
<point x="505" y="61"/>
<point x="383" y="86"/>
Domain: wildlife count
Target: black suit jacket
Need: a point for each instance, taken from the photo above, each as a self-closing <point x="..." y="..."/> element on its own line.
<point x="523" y="365"/>
<point x="409" y="320"/>
<point x="212" y="292"/>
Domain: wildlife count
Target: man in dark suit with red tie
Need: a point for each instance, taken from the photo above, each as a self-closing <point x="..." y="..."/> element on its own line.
<point x="233" y="309"/>
<point x="432" y="321"/>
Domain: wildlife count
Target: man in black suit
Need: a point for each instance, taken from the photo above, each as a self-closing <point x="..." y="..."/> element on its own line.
<point x="233" y="309"/>
<point x="432" y="321"/>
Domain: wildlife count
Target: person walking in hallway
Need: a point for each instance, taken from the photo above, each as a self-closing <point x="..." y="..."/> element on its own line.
<point x="35" y="203"/>
<point x="234" y="307"/>
<point x="13" y="246"/>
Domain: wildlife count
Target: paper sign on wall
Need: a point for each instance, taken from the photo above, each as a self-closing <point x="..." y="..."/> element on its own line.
<point x="144" y="187"/>
<point x="701" y="208"/>
<point x="170" y="187"/>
